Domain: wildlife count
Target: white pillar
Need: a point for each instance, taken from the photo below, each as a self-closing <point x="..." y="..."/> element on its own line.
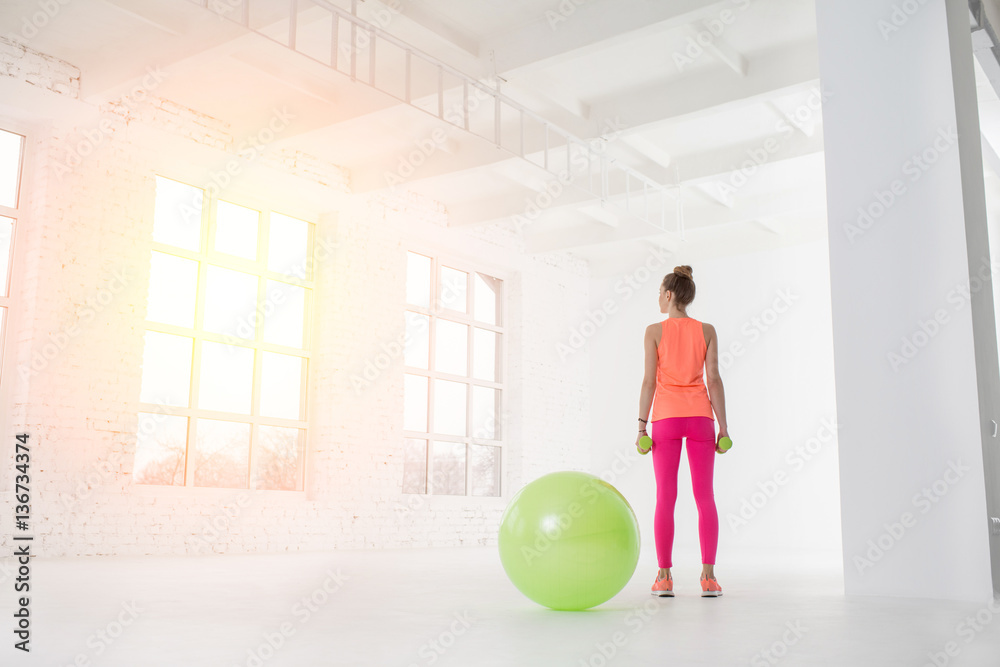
<point x="907" y="225"/>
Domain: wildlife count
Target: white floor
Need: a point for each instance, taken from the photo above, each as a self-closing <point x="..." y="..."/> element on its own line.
<point x="410" y="608"/>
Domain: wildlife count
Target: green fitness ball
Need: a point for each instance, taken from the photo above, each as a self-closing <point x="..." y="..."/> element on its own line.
<point x="569" y="541"/>
<point x="725" y="443"/>
<point x="645" y="442"/>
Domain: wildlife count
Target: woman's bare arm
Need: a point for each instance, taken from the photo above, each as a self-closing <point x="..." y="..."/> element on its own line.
<point x="713" y="380"/>
<point x="649" y="373"/>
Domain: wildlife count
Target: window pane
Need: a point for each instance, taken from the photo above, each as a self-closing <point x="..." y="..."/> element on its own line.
<point x="226" y="378"/>
<point x="230" y="302"/>
<point x="160" y="449"/>
<point x="236" y="230"/>
<point x="284" y="314"/>
<point x="486" y="299"/>
<point x="222" y="454"/>
<point x="449" y="468"/>
<point x="6" y="236"/>
<point x="449" y="407"/>
<point x="280" y="386"/>
<point x="454" y="289"/>
<point x="418" y="279"/>
<point x="485" y="413"/>
<point x="10" y="167"/>
<point x="484" y="354"/>
<point x="414" y="402"/>
<point x="166" y="369"/>
<point x="451" y="349"/>
<point x="177" y="219"/>
<point x="173" y="287"/>
<point x="279" y="460"/>
<point x="484" y="470"/>
<point x="417" y="339"/>
<point x="288" y="245"/>
<point x="415" y="466"/>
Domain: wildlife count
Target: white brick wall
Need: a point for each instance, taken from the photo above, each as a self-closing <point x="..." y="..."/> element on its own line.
<point x="83" y="267"/>
<point x="22" y="63"/>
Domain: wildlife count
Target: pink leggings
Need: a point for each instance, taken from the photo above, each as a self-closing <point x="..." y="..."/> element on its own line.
<point x="700" y="434"/>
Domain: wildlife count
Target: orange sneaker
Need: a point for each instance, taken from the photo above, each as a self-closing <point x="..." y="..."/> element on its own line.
<point x="710" y="588"/>
<point x="664" y="588"/>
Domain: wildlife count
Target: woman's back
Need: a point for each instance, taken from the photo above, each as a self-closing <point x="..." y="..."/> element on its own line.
<point x="680" y="384"/>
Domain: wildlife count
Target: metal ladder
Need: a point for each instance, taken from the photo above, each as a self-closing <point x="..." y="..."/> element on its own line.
<point x="571" y="159"/>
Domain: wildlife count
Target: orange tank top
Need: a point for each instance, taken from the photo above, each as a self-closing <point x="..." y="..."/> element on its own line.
<point x="680" y="384"/>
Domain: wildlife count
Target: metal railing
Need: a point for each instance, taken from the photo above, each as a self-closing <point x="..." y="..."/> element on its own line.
<point x="503" y="121"/>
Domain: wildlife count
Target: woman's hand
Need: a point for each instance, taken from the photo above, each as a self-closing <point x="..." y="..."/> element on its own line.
<point x="723" y="433"/>
<point x="637" y="447"/>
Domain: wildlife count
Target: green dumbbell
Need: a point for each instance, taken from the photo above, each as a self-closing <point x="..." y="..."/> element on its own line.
<point x="645" y="442"/>
<point x="725" y="443"/>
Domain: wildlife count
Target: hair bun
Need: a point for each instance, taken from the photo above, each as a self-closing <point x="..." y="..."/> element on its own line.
<point x="685" y="271"/>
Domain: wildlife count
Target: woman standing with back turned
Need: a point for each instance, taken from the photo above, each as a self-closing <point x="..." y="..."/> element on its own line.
<point x="676" y="351"/>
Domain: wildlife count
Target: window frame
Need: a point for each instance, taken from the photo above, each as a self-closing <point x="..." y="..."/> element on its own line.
<point x="207" y="256"/>
<point x="21" y="214"/>
<point x="471" y="266"/>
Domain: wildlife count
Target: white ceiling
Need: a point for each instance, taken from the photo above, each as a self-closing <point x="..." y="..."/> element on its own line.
<point x="601" y="68"/>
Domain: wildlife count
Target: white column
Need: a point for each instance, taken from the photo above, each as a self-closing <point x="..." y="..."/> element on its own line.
<point x="907" y="226"/>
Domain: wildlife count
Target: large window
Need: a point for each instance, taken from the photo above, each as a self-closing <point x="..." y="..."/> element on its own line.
<point x="11" y="161"/>
<point x="453" y="384"/>
<point x="226" y="359"/>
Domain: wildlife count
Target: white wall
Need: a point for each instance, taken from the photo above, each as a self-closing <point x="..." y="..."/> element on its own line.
<point x="776" y="491"/>
<point x="94" y="220"/>
<point x="911" y="445"/>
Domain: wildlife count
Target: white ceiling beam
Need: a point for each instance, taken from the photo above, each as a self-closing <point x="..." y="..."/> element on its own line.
<point x="646" y="109"/>
<point x="775" y="71"/>
<point x="565" y="29"/>
<point x="806" y="129"/>
<point x="648" y="149"/>
<point x="695" y="219"/>
<point x="715" y="193"/>
<point x="418" y="15"/>
<point x="476" y="212"/>
<point x="717" y="46"/>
